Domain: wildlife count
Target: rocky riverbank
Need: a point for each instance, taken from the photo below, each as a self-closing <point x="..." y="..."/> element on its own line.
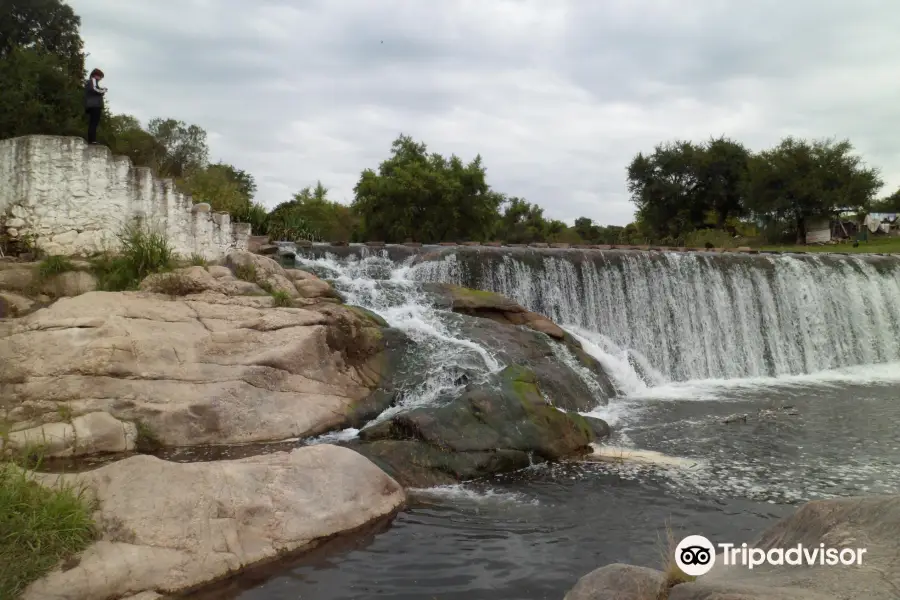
<point x="250" y="352"/>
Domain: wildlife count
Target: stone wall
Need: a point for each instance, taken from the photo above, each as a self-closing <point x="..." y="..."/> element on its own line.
<point x="75" y="199"/>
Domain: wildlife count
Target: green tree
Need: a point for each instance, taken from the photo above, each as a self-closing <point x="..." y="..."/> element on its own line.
<point x="665" y="188"/>
<point x="47" y="27"/>
<point x="125" y="136"/>
<point x="37" y="96"/>
<point x="323" y="219"/>
<point x="722" y="180"/>
<point x="425" y="197"/>
<point x="521" y="222"/>
<point x="887" y="204"/>
<point x="185" y="147"/>
<point x="798" y="180"/>
<point x="214" y="185"/>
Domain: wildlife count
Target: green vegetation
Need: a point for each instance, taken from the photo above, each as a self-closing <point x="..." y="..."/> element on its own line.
<point x="246" y="273"/>
<point x="282" y="298"/>
<point x="142" y="252"/>
<point x="54" y="265"/>
<point x="39" y="527"/>
<point x="198" y="261"/>
<point x="147" y="440"/>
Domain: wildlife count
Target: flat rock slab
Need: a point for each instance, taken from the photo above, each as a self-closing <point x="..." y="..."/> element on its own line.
<point x="167" y="527"/>
<point x="202" y="369"/>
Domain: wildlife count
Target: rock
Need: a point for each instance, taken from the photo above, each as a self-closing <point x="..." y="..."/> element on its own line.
<point x="267" y="249"/>
<point x="314" y="288"/>
<point x="618" y="582"/>
<point x="69" y="283"/>
<point x="7" y="309"/>
<point x="204" y="369"/>
<point x="15" y="303"/>
<point x="299" y="275"/>
<point x="219" y="271"/>
<point x="493" y="427"/>
<point x="197" y="280"/>
<point x="871" y="523"/>
<point x="17" y="277"/>
<point x="168" y="527"/>
<point x="493" y="306"/>
<point x="550" y="360"/>
<point x="261" y="270"/>
<point x="86" y="434"/>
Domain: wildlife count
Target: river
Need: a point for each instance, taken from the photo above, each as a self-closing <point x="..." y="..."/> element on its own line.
<point x="772" y="380"/>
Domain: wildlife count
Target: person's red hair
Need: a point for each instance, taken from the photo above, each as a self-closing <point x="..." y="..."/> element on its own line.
<point x="97" y="73"/>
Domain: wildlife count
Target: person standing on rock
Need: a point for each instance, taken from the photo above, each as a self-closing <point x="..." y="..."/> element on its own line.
<point x="93" y="103"/>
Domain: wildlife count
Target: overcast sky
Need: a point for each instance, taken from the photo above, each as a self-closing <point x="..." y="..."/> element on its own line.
<point x="556" y="95"/>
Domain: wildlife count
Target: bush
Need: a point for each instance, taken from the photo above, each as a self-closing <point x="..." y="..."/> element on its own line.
<point x="39" y="527"/>
<point x="282" y="298"/>
<point x="142" y="252"/>
<point x="54" y="265"/>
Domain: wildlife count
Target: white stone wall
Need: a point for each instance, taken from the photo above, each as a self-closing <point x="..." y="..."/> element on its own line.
<point x="76" y="198"/>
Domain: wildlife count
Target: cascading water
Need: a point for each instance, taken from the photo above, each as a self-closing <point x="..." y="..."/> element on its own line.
<point x="653" y="317"/>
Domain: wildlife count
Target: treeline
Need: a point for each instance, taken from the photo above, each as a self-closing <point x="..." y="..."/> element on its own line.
<point x="716" y="193"/>
<point x="684" y="190"/>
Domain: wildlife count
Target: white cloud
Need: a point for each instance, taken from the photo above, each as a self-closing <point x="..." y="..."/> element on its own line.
<point x="556" y="95"/>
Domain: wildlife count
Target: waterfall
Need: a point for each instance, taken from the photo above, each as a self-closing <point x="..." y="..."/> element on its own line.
<point x="688" y="316"/>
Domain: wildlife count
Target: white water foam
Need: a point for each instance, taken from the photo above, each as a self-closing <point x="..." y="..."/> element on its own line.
<point x="466" y="493"/>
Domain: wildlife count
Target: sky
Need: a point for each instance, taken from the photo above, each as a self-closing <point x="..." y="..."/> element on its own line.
<point x="557" y="96"/>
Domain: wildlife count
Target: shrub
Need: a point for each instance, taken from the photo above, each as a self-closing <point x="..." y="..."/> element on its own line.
<point x="142" y="253"/>
<point x="54" y="265"/>
<point x="175" y="284"/>
<point x="39" y="527"/>
<point x="197" y="261"/>
<point x="282" y="298"/>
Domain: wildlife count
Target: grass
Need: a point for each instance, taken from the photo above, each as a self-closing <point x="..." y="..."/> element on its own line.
<point x="672" y="574"/>
<point x="281" y="298"/>
<point x="39" y="527"/>
<point x="146" y="441"/>
<point x="54" y="265"/>
<point x="198" y="261"/>
<point x="883" y="245"/>
<point x="141" y="253"/>
<point x="246" y="273"/>
<point x="175" y="284"/>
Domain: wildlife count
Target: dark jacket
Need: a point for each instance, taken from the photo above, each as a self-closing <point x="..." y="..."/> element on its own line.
<point x="93" y="94"/>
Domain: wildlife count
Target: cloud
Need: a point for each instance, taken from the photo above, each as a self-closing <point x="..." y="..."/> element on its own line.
<point x="556" y="95"/>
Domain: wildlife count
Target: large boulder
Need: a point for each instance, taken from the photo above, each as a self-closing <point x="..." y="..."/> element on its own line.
<point x="261" y="270"/>
<point x="618" y="582"/>
<point x="200" y="369"/>
<point x="871" y="523"/>
<point x="492" y="306"/>
<point x="498" y="426"/>
<point x="168" y="527"/>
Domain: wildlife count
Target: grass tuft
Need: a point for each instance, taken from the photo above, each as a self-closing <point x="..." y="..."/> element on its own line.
<point x="198" y="261"/>
<point x="54" y="265"/>
<point x="174" y="284"/>
<point x="141" y="253"/>
<point x="147" y="440"/>
<point x="246" y="273"/>
<point x="39" y="527"/>
<point x="282" y="298"/>
<point x="672" y="574"/>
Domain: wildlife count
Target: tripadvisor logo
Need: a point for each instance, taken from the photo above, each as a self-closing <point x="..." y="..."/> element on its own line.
<point x="695" y="555"/>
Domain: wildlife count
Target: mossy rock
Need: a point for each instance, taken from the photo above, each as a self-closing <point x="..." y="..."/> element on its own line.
<point x="507" y="415"/>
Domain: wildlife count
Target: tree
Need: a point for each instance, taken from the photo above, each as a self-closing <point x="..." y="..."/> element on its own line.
<point x="46" y="27"/>
<point x="665" y="188"/>
<point x="322" y="218"/>
<point x="521" y="222"/>
<point x="37" y="96"/>
<point x="683" y="186"/>
<point x="215" y="185"/>
<point x="425" y="197"/>
<point x="124" y="135"/>
<point x="185" y="147"/>
<point x="887" y="204"/>
<point x="798" y="180"/>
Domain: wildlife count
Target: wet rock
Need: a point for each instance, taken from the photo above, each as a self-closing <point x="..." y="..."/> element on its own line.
<point x="315" y="288"/>
<point x="498" y="426"/>
<point x="618" y="582"/>
<point x="492" y="306"/>
<point x="203" y="369"/>
<point x="15" y="304"/>
<point x="562" y="385"/>
<point x="168" y="527"/>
